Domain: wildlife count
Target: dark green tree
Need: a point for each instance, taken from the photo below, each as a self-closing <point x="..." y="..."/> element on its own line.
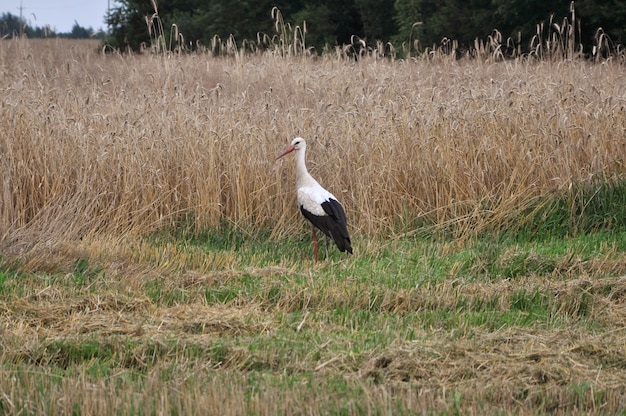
<point x="11" y="25"/>
<point x="349" y="20"/>
<point x="240" y="18"/>
<point x="321" y="26"/>
<point x="432" y="21"/>
<point x="328" y="22"/>
<point x="79" y="32"/>
<point x="127" y="24"/>
<point x="527" y="19"/>
<point x="334" y="22"/>
<point x="519" y="20"/>
<point x="461" y="20"/>
<point x="377" y="19"/>
<point x="197" y="21"/>
<point x="609" y="15"/>
<point x="411" y="18"/>
<point x="523" y="18"/>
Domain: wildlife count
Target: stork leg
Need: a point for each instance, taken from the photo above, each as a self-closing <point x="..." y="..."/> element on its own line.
<point x="315" y="244"/>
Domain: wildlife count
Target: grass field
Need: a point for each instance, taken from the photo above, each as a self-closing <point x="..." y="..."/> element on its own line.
<point x="153" y="260"/>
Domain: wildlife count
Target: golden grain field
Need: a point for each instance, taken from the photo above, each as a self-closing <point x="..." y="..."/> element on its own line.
<point x="110" y="145"/>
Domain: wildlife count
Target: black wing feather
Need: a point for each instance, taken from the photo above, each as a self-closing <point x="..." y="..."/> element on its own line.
<point x="334" y="225"/>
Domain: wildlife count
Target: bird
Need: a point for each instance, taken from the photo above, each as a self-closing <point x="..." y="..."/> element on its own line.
<point x="317" y="205"/>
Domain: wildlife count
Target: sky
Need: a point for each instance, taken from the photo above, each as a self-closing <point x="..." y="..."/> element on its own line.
<point x="60" y="14"/>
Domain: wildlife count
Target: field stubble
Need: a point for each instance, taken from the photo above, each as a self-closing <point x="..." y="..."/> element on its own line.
<point x="98" y="152"/>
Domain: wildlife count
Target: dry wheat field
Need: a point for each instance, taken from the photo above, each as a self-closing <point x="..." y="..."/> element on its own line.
<point x="101" y="152"/>
<point x="99" y="145"/>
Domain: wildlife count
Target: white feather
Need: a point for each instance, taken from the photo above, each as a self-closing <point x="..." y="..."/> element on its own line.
<point x="311" y="199"/>
<point x="311" y="195"/>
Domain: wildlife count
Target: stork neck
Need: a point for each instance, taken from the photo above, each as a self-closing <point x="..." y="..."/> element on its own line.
<point x="302" y="174"/>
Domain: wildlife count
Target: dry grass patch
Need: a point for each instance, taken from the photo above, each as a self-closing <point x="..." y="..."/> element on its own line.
<point x="512" y="370"/>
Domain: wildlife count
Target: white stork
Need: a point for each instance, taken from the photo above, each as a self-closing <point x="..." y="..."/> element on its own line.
<point x="318" y="205"/>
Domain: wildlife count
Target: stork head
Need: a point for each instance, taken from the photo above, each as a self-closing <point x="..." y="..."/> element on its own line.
<point x="296" y="144"/>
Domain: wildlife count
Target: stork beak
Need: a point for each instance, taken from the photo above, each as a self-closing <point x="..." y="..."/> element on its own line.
<point x="289" y="149"/>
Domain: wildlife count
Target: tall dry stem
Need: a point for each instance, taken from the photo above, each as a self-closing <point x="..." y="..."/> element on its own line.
<point x="120" y="145"/>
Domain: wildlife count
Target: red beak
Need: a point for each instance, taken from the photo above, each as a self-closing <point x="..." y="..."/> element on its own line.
<point x="289" y="149"/>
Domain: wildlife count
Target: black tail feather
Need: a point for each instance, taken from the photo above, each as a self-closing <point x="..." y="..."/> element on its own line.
<point x="333" y="224"/>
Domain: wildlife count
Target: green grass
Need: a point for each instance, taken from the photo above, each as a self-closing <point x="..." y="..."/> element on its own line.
<point x="496" y="318"/>
<point x="597" y="205"/>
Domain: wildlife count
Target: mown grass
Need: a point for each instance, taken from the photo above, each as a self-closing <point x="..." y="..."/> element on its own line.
<point x="153" y="260"/>
<point x="412" y="325"/>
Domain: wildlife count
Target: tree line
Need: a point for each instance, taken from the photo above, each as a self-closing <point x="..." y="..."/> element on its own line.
<point x="425" y="23"/>
<point x="13" y="26"/>
<point x="330" y="23"/>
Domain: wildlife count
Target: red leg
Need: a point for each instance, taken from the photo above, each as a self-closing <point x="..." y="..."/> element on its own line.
<point x="315" y="244"/>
